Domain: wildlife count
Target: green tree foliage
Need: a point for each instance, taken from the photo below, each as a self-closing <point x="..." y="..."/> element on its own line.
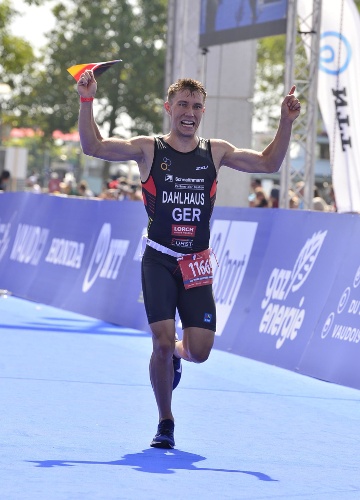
<point x="15" y="53"/>
<point x="88" y="31"/>
<point x="269" y="78"/>
<point x="44" y="94"/>
<point x="15" y="56"/>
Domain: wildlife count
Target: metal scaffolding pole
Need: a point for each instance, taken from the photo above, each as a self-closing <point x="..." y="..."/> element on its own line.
<point x="304" y="73"/>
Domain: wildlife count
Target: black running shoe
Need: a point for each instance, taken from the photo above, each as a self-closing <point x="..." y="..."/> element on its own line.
<point x="164" y="438"/>
<point x="177" y="371"/>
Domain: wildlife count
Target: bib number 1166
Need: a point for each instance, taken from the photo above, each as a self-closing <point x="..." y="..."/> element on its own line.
<point x="196" y="269"/>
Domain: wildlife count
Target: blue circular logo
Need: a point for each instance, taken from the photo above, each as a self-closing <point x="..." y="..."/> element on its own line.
<point x="335" y="53"/>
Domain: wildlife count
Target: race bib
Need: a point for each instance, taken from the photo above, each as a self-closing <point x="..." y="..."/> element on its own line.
<point x="196" y="269"/>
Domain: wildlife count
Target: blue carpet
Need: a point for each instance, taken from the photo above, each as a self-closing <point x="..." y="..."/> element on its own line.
<point x="78" y="414"/>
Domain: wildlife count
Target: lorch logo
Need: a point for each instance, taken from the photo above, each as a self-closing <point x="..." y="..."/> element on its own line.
<point x="280" y="320"/>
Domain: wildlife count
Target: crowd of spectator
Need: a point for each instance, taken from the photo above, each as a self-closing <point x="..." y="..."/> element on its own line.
<point x="260" y="198"/>
<point x="116" y="188"/>
<point x="121" y="188"/>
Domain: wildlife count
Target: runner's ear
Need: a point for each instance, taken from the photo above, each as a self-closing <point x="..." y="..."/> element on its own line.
<point x="167" y="107"/>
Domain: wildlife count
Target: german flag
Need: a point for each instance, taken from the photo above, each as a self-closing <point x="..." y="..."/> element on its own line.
<point x="98" y="68"/>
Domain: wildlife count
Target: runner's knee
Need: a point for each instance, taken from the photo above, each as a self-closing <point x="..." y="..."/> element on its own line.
<point x="163" y="342"/>
<point x="199" y="356"/>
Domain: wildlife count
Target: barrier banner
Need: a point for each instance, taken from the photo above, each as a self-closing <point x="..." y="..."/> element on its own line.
<point x="294" y="282"/>
<point x="76" y="254"/>
<point x="334" y="349"/>
<point x="239" y="238"/>
<point x="286" y="282"/>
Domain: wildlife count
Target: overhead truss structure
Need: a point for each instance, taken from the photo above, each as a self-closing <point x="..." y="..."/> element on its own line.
<point x="302" y="71"/>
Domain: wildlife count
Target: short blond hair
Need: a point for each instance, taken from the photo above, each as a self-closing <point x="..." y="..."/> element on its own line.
<point x="186" y="84"/>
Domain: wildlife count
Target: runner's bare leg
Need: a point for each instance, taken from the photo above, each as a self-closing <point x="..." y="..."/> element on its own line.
<point x="161" y="365"/>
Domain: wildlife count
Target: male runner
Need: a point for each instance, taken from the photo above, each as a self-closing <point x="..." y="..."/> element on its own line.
<point x="179" y="173"/>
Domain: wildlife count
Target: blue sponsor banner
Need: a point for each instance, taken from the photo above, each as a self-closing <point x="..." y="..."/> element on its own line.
<point x="239" y="239"/>
<point x="286" y="282"/>
<point x="297" y="273"/>
<point x="76" y="254"/>
<point x="334" y="349"/>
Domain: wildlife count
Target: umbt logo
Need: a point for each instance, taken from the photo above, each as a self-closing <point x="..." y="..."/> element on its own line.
<point x="106" y="258"/>
<point x="279" y="319"/>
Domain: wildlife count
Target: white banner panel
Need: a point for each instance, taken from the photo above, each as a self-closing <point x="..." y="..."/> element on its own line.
<point x="338" y="94"/>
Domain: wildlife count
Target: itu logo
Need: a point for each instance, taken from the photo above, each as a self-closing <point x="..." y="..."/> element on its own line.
<point x="335" y="53"/>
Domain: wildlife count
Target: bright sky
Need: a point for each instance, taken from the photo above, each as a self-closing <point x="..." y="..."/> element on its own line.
<point x="33" y="22"/>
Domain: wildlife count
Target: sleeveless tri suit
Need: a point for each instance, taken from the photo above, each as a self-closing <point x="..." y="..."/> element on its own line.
<point x="179" y="197"/>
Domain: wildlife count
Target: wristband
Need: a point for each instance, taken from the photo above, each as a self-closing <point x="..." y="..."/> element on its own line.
<point x="86" y="99"/>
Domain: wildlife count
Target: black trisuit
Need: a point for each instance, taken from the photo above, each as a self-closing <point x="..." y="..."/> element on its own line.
<point x="179" y="197"/>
